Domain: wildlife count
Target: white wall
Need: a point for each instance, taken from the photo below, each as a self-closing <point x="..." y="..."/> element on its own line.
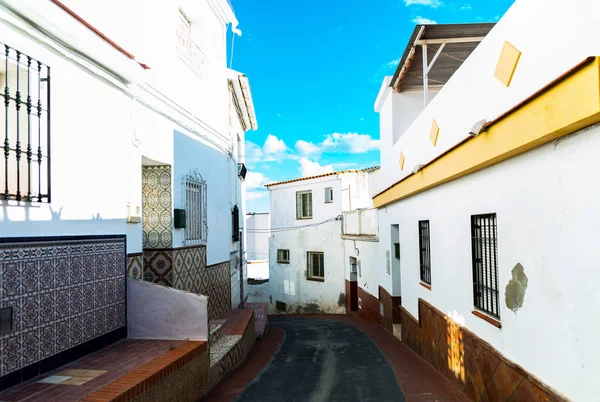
<point x="366" y="254"/>
<point x="160" y="312"/>
<point x="214" y="167"/>
<point x="287" y="282"/>
<point x="473" y="93"/>
<point x="257" y="243"/>
<point x="549" y="222"/>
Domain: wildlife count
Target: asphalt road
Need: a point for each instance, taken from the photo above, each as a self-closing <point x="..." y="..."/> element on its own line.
<point x="324" y="361"/>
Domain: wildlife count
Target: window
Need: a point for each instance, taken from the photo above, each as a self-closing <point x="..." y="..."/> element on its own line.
<point x="235" y="224"/>
<point x="485" y="263"/>
<point x="304" y="205"/>
<point x="187" y="49"/>
<point x="328" y="194"/>
<point x="25" y="122"/>
<point x="283" y="256"/>
<point x="316" y="265"/>
<point x="195" y="209"/>
<point x="425" y="252"/>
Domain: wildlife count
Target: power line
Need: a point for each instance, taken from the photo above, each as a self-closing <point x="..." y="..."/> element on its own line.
<point x="284" y="229"/>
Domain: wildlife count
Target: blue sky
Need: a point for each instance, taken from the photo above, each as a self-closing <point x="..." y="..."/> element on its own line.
<point x="315" y="67"/>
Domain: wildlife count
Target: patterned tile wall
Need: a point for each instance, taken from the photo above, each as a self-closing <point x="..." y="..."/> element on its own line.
<point x="63" y="293"/>
<point x="185" y="268"/>
<point x="157" y="207"/>
<point x="190" y="269"/>
<point x="219" y="289"/>
<point x="135" y="266"/>
<point x="234" y="273"/>
<point x="158" y="267"/>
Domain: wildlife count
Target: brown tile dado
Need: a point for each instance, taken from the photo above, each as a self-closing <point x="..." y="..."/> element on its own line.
<point x="386" y="300"/>
<point x="370" y="306"/>
<point x="469" y="362"/>
<point x="135" y="266"/>
<point x="185" y="268"/>
<point x="219" y="289"/>
<point x="63" y="293"/>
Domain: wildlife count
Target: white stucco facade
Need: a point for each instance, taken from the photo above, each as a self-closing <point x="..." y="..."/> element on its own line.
<point x="288" y="282"/>
<point x="547" y="219"/>
<point x="130" y="102"/>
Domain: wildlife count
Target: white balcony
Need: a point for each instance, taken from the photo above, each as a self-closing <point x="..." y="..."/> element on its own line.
<point x="361" y="223"/>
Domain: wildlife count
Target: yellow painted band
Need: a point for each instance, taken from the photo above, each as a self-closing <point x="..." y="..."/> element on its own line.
<point x="566" y="106"/>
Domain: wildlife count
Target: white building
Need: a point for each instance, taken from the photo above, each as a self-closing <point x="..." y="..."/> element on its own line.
<point x="257" y="236"/>
<point x="496" y="222"/>
<point x="306" y="248"/>
<point x="134" y="147"/>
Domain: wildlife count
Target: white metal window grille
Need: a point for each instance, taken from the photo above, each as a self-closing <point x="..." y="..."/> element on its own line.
<point x="304" y="205"/>
<point x="187" y="49"/>
<point x="316" y="265"/>
<point x="195" y="209"/>
<point x="283" y="256"/>
<point x="329" y="194"/>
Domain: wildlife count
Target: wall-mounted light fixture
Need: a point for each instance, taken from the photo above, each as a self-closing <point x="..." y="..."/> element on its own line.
<point x="477" y="128"/>
<point x="417" y="168"/>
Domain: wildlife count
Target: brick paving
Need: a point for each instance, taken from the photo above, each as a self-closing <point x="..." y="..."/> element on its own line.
<point x="118" y="360"/>
<point x="261" y="317"/>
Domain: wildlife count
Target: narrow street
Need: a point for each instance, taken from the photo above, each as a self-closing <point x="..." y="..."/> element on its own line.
<point x="324" y="360"/>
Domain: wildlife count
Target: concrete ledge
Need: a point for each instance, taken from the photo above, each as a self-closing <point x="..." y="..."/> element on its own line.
<point x="179" y="374"/>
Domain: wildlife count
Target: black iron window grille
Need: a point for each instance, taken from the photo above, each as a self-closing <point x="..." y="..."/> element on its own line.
<point x="235" y="224"/>
<point x="485" y="263"/>
<point x="25" y="171"/>
<point x="425" y="252"/>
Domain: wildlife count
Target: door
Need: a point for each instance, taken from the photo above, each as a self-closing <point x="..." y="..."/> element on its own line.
<point x="353" y="284"/>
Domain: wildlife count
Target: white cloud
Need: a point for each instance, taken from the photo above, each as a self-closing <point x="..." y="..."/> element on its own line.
<point x="428" y="3"/>
<point x="255" y="180"/>
<point x="466" y="7"/>
<point x="307" y="148"/>
<point x="362" y="119"/>
<point x="392" y="63"/>
<point x="353" y="143"/>
<point x="423" y="21"/>
<point x="255" y="195"/>
<point x="274" y="145"/>
<point x="312" y="168"/>
<point x="254" y="153"/>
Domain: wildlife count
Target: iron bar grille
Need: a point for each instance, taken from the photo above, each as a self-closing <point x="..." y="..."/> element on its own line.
<point x="485" y="263"/>
<point x="25" y="171"/>
<point x="283" y="256"/>
<point x="235" y="224"/>
<point x="195" y="209"/>
<point x="316" y="265"/>
<point x="425" y="252"/>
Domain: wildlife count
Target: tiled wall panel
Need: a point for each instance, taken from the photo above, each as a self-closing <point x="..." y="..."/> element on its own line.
<point x="157" y="207"/>
<point x="135" y="266"/>
<point x="185" y="268"/>
<point x="63" y="292"/>
<point x="472" y="364"/>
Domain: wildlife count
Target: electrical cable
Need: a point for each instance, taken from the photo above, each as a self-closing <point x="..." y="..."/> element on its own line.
<point x="288" y="228"/>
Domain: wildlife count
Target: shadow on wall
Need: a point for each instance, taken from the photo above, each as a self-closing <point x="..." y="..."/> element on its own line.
<point x="70" y="226"/>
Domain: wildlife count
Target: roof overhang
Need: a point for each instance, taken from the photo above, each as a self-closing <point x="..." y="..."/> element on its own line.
<point x="434" y="52"/>
<point x="243" y="99"/>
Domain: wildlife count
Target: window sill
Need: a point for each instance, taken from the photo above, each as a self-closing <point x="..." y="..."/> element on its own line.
<point x="487" y="318"/>
<point x="426" y="286"/>
<point x="328" y="202"/>
<point x="283" y="262"/>
<point x="303" y="219"/>
<point x="316" y="279"/>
